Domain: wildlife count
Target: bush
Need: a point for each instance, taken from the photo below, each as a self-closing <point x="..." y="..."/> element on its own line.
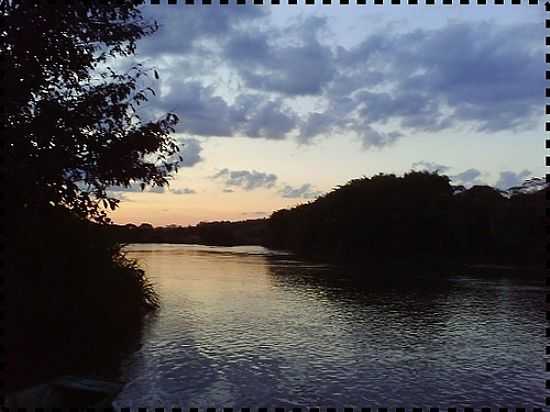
<point x="71" y="290"/>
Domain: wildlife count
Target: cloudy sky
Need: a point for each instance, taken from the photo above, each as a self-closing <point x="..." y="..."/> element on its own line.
<point x="279" y="104"/>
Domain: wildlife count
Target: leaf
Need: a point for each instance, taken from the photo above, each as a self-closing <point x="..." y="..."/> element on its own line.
<point x="99" y="137"/>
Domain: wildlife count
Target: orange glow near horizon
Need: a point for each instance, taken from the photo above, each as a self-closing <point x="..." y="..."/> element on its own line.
<point x="178" y="217"/>
<point x="166" y="209"/>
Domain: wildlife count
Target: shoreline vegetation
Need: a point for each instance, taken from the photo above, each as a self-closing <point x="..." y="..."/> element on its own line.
<point x="72" y="130"/>
<point x="75" y="301"/>
<point x="416" y="217"/>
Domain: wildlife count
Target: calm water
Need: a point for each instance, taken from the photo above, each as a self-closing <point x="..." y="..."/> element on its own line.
<point x="250" y="327"/>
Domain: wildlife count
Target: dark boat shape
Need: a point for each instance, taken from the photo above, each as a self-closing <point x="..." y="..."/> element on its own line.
<point x="66" y="392"/>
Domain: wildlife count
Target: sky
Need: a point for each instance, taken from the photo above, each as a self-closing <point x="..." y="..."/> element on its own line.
<point x="279" y="104"/>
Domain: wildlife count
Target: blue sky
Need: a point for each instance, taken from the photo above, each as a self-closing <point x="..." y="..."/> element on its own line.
<point x="281" y="103"/>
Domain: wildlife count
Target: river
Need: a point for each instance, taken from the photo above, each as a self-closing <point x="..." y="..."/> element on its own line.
<point x="251" y="327"/>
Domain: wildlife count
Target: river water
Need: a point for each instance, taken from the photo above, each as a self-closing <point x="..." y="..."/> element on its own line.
<point x="250" y="327"/>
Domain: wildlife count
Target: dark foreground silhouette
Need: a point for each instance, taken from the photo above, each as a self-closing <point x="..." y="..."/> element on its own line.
<point x="75" y="303"/>
<point x="224" y="233"/>
<point x="71" y="131"/>
<point x="416" y="217"/>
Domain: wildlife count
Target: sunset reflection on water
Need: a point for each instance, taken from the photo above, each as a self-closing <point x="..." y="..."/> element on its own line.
<point x="248" y="327"/>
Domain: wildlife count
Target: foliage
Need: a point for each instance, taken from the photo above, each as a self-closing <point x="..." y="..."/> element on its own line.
<point x="387" y="218"/>
<point x="417" y="215"/>
<point x="71" y="291"/>
<point x="71" y="124"/>
<point x="247" y="232"/>
<point x="72" y="129"/>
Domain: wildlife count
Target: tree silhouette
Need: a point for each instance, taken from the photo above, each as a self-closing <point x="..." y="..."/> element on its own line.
<point x="72" y="126"/>
<point x="419" y="215"/>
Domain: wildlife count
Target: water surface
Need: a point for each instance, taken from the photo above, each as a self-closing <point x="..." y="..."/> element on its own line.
<point x="250" y="327"/>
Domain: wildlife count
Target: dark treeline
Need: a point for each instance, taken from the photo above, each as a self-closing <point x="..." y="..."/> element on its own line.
<point x="419" y="215"/>
<point x="388" y="218"/>
<point x="247" y="232"/>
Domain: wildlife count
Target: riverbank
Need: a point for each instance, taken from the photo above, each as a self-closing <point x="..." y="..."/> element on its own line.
<point x="75" y="301"/>
<point x="429" y="265"/>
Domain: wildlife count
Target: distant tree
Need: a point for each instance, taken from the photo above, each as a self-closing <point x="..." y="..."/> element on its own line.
<point x="71" y="126"/>
<point x="386" y="217"/>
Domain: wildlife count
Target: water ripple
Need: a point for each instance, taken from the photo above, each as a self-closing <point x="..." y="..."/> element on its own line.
<point x="251" y="327"/>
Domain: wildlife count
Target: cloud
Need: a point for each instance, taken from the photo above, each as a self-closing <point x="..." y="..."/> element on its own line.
<point x="254" y="213"/>
<point x="316" y="124"/>
<point x="239" y="74"/>
<point x="184" y="191"/>
<point x="135" y="188"/>
<point x="430" y="166"/>
<point x="201" y="112"/>
<point x="195" y="25"/>
<point x="371" y="137"/>
<point x="460" y="72"/>
<point x="130" y="189"/>
<point x="302" y="67"/>
<point x="508" y="179"/>
<point x="204" y="113"/>
<point x="251" y="180"/>
<point x="120" y="196"/>
<point x="190" y="152"/>
<point x="305" y="191"/>
<point x="469" y="177"/>
<point x="270" y="119"/>
<point x="414" y="110"/>
<point x="156" y="189"/>
<point x="247" y="180"/>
